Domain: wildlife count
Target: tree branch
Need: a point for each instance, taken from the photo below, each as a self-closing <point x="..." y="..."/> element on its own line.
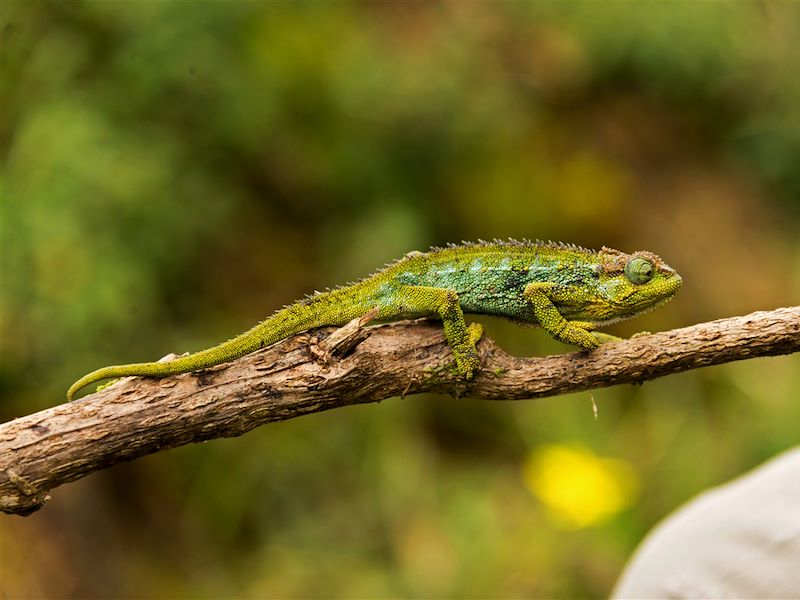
<point x="317" y="371"/>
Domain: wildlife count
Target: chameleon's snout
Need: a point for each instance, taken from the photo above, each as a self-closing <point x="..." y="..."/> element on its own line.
<point x="667" y="279"/>
<point x="669" y="285"/>
<point x="675" y="281"/>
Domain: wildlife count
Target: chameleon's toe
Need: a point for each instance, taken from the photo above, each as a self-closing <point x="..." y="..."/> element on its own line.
<point x="605" y="338"/>
<point x="474" y="333"/>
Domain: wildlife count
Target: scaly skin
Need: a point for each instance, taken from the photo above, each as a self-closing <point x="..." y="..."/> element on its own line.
<point x="565" y="289"/>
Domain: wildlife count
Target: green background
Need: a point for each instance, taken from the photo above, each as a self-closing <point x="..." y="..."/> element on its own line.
<point x="172" y="172"/>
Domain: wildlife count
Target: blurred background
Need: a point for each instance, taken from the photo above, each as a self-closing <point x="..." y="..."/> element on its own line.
<point x="173" y="172"/>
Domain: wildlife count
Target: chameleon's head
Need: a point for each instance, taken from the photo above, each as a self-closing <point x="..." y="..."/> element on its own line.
<point x="630" y="284"/>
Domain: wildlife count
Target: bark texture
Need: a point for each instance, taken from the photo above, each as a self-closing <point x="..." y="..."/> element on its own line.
<point x="327" y="368"/>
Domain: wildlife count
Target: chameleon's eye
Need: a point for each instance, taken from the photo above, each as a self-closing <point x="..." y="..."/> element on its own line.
<point x="639" y="270"/>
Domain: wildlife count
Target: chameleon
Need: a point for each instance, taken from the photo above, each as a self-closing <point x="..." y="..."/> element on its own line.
<point x="567" y="290"/>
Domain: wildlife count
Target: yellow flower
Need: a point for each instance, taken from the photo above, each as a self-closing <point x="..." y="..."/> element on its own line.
<point x="579" y="488"/>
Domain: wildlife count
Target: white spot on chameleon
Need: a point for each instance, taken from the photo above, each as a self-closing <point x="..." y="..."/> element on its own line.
<point x="505" y="264"/>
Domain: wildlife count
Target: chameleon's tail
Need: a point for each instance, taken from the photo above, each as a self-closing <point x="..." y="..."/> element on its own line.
<point x="205" y="358"/>
<point x="317" y="311"/>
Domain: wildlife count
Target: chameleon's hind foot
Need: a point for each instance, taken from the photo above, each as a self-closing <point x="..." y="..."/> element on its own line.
<point x="468" y="363"/>
<point x="444" y="303"/>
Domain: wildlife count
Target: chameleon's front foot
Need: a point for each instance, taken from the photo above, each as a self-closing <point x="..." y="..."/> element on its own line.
<point x="606" y="338"/>
<point x="577" y="333"/>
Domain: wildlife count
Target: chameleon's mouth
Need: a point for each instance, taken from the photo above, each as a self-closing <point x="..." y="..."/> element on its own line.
<point x="667" y="289"/>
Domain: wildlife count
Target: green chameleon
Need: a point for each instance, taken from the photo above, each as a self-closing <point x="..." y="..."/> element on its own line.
<point x="565" y="289"/>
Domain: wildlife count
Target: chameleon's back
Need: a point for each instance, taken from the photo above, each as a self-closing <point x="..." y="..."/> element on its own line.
<point x="491" y="277"/>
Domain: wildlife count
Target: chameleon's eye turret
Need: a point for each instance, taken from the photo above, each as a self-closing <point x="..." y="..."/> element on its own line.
<point x="639" y="270"/>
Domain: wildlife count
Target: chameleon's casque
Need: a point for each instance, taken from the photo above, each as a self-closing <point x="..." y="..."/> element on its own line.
<point x="567" y="290"/>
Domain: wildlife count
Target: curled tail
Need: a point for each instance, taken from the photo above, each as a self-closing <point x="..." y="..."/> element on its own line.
<point x="316" y="311"/>
<point x="224" y="352"/>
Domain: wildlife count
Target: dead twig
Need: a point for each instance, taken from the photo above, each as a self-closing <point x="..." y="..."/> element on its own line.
<point x="326" y="368"/>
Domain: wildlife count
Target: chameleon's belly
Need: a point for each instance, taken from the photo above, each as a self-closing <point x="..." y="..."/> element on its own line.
<point x="502" y="303"/>
<point x="498" y="292"/>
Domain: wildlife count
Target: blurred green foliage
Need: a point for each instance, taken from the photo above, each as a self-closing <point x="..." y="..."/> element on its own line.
<point x="172" y="172"/>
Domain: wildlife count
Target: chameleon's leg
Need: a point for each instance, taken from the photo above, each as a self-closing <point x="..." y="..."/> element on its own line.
<point x="548" y="317"/>
<point x="423" y="300"/>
